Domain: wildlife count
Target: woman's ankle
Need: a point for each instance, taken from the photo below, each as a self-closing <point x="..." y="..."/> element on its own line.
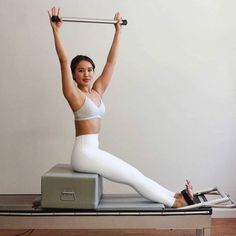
<point x="179" y="201"/>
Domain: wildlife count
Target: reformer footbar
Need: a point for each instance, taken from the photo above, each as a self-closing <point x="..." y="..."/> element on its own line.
<point x="200" y="199"/>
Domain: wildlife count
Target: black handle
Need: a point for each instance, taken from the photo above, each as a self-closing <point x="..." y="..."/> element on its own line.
<point x="124" y="22"/>
<point x="55" y="18"/>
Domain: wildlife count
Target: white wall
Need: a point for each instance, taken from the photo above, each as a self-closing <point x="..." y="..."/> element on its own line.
<point x="171" y="107"/>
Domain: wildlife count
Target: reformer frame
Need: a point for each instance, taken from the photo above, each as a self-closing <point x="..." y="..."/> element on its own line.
<point x="22" y="211"/>
<point x="27" y="217"/>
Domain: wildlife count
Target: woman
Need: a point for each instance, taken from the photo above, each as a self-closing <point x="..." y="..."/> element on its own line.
<point x="85" y="100"/>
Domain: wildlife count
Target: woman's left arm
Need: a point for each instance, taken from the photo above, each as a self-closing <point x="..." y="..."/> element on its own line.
<point x="103" y="80"/>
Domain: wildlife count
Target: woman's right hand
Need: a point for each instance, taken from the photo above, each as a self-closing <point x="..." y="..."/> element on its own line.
<point x="55" y="12"/>
<point x="118" y="18"/>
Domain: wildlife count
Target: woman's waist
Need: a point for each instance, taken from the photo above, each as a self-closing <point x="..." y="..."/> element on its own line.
<point x="87" y="141"/>
<point x="87" y="127"/>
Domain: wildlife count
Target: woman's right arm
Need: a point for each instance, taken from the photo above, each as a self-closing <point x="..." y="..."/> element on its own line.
<point x="68" y="85"/>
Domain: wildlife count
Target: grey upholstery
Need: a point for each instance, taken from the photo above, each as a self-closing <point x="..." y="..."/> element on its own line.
<point x="61" y="187"/>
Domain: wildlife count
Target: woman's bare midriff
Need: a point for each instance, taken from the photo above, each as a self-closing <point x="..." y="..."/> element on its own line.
<point x="91" y="126"/>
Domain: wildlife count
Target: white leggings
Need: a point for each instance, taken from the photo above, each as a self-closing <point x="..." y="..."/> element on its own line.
<point x="87" y="157"/>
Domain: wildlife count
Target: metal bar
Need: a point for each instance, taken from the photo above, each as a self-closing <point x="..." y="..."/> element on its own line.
<point x="205" y="191"/>
<point x="221" y="193"/>
<point x="87" y="20"/>
<point x="206" y="204"/>
<point x="224" y="206"/>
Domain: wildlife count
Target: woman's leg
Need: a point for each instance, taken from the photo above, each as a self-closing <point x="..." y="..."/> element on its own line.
<point x="98" y="161"/>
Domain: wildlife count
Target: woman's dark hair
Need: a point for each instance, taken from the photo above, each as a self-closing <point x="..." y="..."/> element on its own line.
<point x="76" y="60"/>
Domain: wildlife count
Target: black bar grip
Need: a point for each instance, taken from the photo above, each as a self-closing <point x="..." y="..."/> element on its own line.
<point x="55" y="19"/>
<point x="124" y="22"/>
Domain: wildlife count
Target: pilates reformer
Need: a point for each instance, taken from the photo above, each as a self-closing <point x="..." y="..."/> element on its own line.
<point x="72" y="200"/>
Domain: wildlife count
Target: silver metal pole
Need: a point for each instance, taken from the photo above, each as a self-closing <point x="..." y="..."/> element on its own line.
<point x="88" y="20"/>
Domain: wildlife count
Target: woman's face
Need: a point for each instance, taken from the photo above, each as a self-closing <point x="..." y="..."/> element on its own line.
<point x="83" y="74"/>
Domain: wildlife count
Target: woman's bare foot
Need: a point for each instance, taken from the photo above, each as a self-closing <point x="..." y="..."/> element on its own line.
<point x="180" y="200"/>
<point x="189" y="188"/>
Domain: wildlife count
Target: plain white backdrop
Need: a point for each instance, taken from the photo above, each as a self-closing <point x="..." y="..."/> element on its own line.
<point x="170" y="109"/>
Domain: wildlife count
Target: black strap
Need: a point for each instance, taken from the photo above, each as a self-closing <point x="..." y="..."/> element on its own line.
<point x="187" y="198"/>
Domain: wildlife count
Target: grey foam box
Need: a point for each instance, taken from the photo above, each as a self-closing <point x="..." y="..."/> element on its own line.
<point x="61" y="187"/>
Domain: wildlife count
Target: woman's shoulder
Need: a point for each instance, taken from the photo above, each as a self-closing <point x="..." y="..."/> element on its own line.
<point x="97" y="93"/>
<point x="76" y="99"/>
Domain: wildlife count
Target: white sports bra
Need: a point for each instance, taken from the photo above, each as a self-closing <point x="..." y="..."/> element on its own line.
<point x="89" y="110"/>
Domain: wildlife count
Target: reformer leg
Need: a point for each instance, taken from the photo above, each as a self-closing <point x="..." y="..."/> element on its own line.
<point x="203" y="232"/>
<point x="207" y="232"/>
<point x="199" y="232"/>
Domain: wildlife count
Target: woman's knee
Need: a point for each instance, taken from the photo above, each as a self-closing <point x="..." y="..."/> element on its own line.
<point x="136" y="178"/>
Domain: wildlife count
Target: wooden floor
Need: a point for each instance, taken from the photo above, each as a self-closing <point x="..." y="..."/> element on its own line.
<point x="220" y="227"/>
